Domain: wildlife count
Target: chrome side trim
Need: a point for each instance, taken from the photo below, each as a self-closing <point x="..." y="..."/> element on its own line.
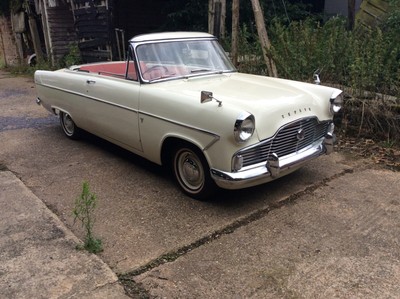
<point x="215" y="136"/>
<point x="89" y="97"/>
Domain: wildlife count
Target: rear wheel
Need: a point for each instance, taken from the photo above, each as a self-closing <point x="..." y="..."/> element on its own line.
<point x="192" y="172"/>
<point x="68" y="125"/>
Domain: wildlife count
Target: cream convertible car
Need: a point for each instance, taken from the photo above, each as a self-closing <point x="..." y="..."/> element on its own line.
<point x="178" y="101"/>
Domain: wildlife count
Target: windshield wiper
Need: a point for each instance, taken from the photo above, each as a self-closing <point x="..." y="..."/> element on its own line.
<point x="206" y="70"/>
<point x="200" y="70"/>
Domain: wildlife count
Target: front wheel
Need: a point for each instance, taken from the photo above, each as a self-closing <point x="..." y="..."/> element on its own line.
<point x="192" y="172"/>
<point x="68" y="125"/>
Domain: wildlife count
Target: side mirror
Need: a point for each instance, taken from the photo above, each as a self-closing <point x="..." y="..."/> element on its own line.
<point x="316" y="76"/>
<point x="206" y="96"/>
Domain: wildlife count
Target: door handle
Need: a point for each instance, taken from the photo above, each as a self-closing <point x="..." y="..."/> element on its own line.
<point x="90" y="81"/>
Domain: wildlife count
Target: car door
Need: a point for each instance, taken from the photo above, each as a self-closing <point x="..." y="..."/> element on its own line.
<point x="113" y="113"/>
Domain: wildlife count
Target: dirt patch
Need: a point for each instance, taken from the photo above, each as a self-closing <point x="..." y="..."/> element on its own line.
<point x="385" y="154"/>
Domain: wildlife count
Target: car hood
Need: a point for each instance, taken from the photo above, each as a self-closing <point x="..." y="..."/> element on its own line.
<point x="274" y="102"/>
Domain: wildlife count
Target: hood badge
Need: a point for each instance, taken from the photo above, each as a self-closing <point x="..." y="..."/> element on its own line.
<point x="300" y="134"/>
<point x="295" y="112"/>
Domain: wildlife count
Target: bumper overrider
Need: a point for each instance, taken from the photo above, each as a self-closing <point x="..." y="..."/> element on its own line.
<point x="274" y="167"/>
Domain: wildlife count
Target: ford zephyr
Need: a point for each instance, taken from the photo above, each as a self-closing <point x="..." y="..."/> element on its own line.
<point x="178" y="101"/>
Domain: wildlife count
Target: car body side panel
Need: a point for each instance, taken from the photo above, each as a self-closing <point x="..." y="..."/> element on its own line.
<point x="104" y="106"/>
<point x="60" y="91"/>
<point x="114" y="110"/>
<point x="165" y="113"/>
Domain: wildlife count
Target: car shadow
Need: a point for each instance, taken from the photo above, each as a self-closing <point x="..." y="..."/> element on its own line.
<point x="122" y="153"/>
<point x="265" y="196"/>
<point x="223" y="198"/>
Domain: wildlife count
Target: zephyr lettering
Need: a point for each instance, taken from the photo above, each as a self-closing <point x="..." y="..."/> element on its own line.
<point x="295" y="112"/>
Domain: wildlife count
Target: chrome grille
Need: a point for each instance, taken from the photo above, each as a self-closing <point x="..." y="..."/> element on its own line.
<point x="285" y="141"/>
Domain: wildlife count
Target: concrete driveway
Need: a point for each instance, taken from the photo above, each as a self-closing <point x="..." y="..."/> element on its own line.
<point x="329" y="230"/>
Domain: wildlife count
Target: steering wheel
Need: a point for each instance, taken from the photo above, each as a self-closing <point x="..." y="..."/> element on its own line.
<point x="154" y="67"/>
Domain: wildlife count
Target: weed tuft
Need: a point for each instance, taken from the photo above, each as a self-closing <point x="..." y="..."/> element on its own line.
<point x="83" y="211"/>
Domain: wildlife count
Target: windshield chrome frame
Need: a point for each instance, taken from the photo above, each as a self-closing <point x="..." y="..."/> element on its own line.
<point x="134" y="46"/>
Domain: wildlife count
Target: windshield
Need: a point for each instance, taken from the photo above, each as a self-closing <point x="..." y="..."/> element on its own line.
<point x="181" y="59"/>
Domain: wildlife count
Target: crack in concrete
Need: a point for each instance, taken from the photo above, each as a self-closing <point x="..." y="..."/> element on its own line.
<point x="127" y="278"/>
<point x="3" y="167"/>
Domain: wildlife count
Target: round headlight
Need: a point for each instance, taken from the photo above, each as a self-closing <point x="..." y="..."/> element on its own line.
<point x="244" y="127"/>
<point x="336" y="103"/>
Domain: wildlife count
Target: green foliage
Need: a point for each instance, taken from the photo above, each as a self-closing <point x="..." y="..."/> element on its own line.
<point x="367" y="60"/>
<point x="375" y="61"/>
<point x="250" y="53"/>
<point x="370" y="67"/>
<point x="187" y="14"/>
<point x="73" y="57"/>
<point x="294" y="11"/>
<point x="388" y="144"/>
<point x="85" y="206"/>
<point x="303" y="47"/>
<point x="25" y="69"/>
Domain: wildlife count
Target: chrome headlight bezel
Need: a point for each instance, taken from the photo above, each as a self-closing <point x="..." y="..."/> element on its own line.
<point x="244" y="127"/>
<point x="336" y="102"/>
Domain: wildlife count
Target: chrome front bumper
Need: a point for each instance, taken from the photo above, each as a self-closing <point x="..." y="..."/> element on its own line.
<point x="274" y="168"/>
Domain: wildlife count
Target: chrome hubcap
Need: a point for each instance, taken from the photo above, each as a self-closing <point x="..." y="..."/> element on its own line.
<point x="68" y="124"/>
<point x="190" y="170"/>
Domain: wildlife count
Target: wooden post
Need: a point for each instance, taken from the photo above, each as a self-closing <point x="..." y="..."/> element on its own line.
<point x="351" y="5"/>
<point x="222" y="18"/>
<point x="235" y="32"/>
<point x="35" y="37"/>
<point x="42" y="9"/>
<point x="263" y="36"/>
<point x="217" y="20"/>
<point x="216" y="17"/>
<point x="34" y="32"/>
<point x="3" y="50"/>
